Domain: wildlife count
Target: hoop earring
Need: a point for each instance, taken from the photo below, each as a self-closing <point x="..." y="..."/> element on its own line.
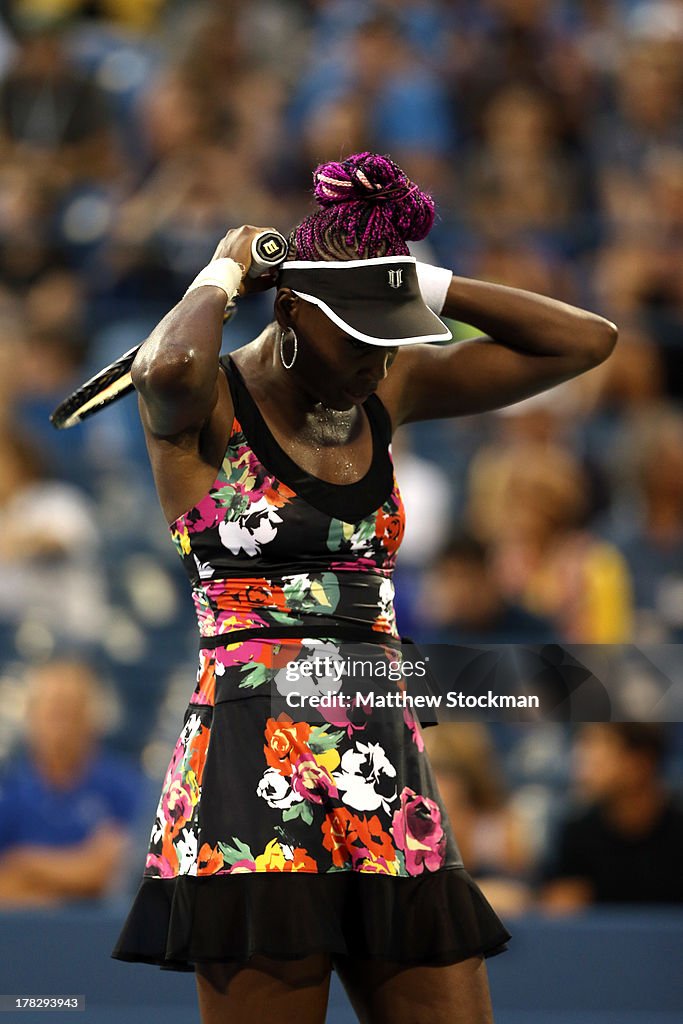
<point x="288" y="366"/>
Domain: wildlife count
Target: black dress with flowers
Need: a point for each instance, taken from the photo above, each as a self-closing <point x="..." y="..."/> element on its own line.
<point x="284" y="833"/>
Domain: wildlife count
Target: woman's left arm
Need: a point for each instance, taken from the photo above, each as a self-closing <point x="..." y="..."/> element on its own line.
<point x="531" y="343"/>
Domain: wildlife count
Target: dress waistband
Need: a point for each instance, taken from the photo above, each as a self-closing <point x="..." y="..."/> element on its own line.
<point x="343" y="631"/>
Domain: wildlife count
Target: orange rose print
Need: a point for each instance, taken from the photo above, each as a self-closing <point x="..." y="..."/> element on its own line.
<point x="278" y="496"/>
<point x="374" y="839"/>
<point x="210" y="860"/>
<point x="286" y="741"/>
<point x="199" y="747"/>
<point x="389" y="528"/>
<point x="339" y="834"/>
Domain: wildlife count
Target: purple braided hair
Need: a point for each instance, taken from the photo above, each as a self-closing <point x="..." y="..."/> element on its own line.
<point x="369" y="207"/>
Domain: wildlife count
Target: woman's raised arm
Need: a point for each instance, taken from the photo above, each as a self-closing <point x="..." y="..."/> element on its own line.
<point x="530" y="344"/>
<point x="176" y="369"/>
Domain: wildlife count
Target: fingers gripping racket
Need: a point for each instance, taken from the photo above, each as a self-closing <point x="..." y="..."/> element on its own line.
<point x="268" y="250"/>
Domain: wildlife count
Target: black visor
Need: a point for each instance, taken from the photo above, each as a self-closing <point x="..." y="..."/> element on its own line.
<point x="377" y="301"/>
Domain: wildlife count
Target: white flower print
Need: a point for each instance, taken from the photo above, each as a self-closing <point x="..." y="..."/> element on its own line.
<point x="365" y="778"/>
<point x="386" y="597"/>
<point x="205" y="569"/>
<point x="250" y="531"/>
<point x="189" y="729"/>
<point x="360" y="542"/>
<point x="186" y="848"/>
<point x="325" y="676"/>
<point x="276" y="790"/>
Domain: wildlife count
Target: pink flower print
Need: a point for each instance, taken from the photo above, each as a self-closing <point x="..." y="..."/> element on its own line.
<point x="338" y="716"/>
<point x="241" y="867"/>
<point x="175" y="759"/>
<point x="361" y="564"/>
<point x="368" y="863"/>
<point x="417" y="831"/>
<point x="176" y="803"/>
<point x="161" y="864"/>
<point x="411" y="724"/>
<point x="204" y="516"/>
<point x="249" y="652"/>
<point x="311" y="781"/>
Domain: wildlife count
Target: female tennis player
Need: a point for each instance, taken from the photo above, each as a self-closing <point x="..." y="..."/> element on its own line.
<point x="286" y="845"/>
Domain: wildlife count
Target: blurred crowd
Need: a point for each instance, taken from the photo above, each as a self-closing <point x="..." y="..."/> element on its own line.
<point x="133" y="133"/>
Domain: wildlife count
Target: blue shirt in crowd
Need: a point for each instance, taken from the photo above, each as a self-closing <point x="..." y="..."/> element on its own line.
<point x="34" y="811"/>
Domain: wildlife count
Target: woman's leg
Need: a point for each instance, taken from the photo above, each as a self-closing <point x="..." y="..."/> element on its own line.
<point x="382" y="992"/>
<point x="261" y="989"/>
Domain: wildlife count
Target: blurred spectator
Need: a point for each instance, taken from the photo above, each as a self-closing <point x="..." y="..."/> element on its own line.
<point x="427" y="496"/>
<point x="519" y="182"/>
<point x="406" y="103"/>
<point x="55" y="302"/>
<point x="626" y="845"/>
<point x="462" y="601"/>
<point x="647" y="95"/>
<point x="529" y="503"/>
<point x="335" y="128"/>
<point x="27" y="204"/>
<point x="51" y="115"/>
<point x="50" y="573"/>
<point x="52" y="361"/>
<point x="172" y="118"/>
<point x="65" y="806"/>
<point x="137" y="14"/>
<point x="639" y="272"/>
<point x="12" y="347"/>
<point x="521" y="263"/>
<point x="490" y="834"/>
<point x="651" y="538"/>
<point x="632" y="377"/>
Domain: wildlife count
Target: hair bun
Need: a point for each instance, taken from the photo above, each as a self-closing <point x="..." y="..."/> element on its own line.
<point x="371" y="178"/>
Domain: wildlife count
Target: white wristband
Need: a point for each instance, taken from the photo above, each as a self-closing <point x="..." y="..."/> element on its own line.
<point x="434" y="283"/>
<point x="223" y="273"/>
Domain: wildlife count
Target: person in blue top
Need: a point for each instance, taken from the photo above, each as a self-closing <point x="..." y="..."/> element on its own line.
<point x="65" y="806"/>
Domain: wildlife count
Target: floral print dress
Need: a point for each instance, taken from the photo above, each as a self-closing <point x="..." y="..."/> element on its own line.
<point x="287" y="834"/>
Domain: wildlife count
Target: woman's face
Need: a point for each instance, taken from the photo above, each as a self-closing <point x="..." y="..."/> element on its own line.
<point x="333" y="368"/>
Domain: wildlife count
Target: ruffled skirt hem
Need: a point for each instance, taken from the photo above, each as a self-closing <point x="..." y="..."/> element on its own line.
<point x="436" y="918"/>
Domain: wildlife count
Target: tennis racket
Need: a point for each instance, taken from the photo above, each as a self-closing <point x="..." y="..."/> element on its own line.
<point x="268" y="250"/>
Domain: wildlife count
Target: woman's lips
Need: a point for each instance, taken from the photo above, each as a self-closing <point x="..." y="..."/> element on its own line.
<point x="361" y="394"/>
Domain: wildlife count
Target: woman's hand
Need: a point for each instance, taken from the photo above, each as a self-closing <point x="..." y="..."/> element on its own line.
<point x="236" y="245"/>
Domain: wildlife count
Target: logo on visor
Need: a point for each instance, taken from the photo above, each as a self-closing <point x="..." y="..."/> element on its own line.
<point x="395" y="278"/>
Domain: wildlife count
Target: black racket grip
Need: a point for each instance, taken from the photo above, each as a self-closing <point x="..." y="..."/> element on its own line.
<point x="268" y="250"/>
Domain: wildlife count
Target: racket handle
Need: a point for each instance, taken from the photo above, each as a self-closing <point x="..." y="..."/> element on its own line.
<point x="268" y="250"/>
